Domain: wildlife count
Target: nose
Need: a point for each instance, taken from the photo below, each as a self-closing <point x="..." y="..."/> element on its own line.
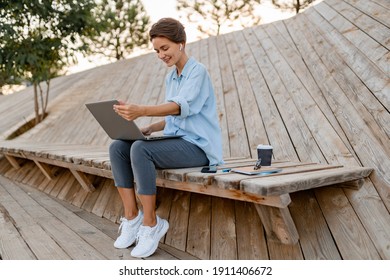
<point x="161" y="55"/>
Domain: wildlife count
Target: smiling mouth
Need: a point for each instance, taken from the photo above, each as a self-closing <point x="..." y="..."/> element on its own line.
<point x="166" y="60"/>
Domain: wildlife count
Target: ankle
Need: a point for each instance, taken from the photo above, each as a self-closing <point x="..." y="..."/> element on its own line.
<point x="131" y="215"/>
<point x="151" y="222"/>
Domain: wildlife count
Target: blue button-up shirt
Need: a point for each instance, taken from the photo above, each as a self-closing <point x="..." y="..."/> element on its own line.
<point x="198" y="119"/>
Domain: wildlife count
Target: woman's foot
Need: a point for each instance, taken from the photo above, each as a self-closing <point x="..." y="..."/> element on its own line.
<point x="128" y="231"/>
<point x="148" y="238"/>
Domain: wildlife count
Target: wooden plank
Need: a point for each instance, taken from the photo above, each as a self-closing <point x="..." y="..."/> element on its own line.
<point x="222" y="177"/>
<point x="355" y="185"/>
<point x="88" y="232"/>
<point x="366" y="71"/>
<point x="370" y="151"/>
<point x="80" y="197"/>
<point x="68" y="179"/>
<point x="273" y="123"/>
<point x="111" y="229"/>
<point x="251" y="241"/>
<point x="178" y="221"/>
<point x="278" y="224"/>
<point x="236" y="126"/>
<point x="316" y="240"/>
<point x="37" y="179"/>
<point x="73" y="192"/>
<point x="41" y="243"/>
<point x="297" y="129"/>
<point x="4" y="164"/>
<point x="12" y="160"/>
<point x="187" y="174"/>
<point x="26" y="169"/>
<point x="372" y="9"/>
<point x="369" y="37"/>
<point x="232" y="180"/>
<point x="250" y="110"/>
<point x="45" y="169"/>
<point x="103" y="198"/>
<point x="223" y="230"/>
<point x="32" y="175"/>
<point x="114" y="208"/>
<point x="350" y="236"/>
<point x="280" y="251"/>
<point x="92" y="197"/>
<point x="81" y="168"/>
<point x="310" y="100"/>
<point x="277" y="201"/>
<point x="69" y="241"/>
<point x="198" y="239"/>
<point x="52" y="184"/>
<point x="164" y="204"/>
<point x="12" y="245"/>
<point x="384" y="3"/>
<point x="303" y="181"/>
<point x="368" y="204"/>
<point x="84" y="181"/>
<point x="68" y="188"/>
<point x="215" y="75"/>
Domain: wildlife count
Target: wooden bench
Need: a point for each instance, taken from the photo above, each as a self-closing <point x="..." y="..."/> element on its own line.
<point x="269" y="193"/>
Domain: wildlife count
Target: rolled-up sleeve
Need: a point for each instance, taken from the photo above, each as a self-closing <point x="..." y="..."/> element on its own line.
<point x="184" y="106"/>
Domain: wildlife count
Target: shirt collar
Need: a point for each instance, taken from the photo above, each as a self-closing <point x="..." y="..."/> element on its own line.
<point x="187" y="67"/>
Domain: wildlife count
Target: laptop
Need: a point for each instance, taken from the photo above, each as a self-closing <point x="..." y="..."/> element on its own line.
<point x="117" y="127"/>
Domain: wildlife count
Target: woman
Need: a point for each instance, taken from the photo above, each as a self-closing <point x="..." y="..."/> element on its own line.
<point x="190" y="110"/>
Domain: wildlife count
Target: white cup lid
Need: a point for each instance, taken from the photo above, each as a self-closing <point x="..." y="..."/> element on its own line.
<point x="265" y="147"/>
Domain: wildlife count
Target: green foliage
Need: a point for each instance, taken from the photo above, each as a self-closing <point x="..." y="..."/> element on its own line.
<point x="295" y="5"/>
<point x="125" y="27"/>
<point x="38" y="38"/>
<point x="219" y="14"/>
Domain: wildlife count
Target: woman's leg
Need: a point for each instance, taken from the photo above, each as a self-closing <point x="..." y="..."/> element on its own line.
<point x="146" y="156"/>
<point x="129" y="201"/>
<point x="124" y="181"/>
<point x="149" y="207"/>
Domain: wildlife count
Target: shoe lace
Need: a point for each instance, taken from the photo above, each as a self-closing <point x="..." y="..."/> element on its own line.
<point x="143" y="233"/>
<point x="123" y="220"/>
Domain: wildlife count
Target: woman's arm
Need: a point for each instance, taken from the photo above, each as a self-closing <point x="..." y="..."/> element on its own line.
<point x="158" y="126"/>
<point x="133" y="111"/>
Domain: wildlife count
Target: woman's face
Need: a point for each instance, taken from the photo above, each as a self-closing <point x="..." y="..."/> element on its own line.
<point x="167" y="51"/>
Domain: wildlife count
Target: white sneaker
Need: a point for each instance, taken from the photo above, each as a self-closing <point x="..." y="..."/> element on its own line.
<point x="128" y="230"/>
<point x="148" y="238"/>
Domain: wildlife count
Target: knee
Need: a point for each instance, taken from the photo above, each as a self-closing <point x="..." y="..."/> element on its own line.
<point x="118" y="148"/>
<point x="139" y="151"/>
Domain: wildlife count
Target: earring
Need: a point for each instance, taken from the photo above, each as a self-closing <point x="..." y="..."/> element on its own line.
<point x="181" y="47"/>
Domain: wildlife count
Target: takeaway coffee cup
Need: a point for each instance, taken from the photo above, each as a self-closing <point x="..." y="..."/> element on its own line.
<point x="264" y="152"/>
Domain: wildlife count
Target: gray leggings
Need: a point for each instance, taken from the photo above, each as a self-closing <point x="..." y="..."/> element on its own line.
<point x="137" y="161"/>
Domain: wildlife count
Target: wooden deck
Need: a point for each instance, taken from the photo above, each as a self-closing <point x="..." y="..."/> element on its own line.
<point x="316" y="87"/>
<point x="34" y="225"/>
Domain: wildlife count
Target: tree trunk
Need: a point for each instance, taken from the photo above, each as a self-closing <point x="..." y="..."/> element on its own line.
<point x="36" y="104"/>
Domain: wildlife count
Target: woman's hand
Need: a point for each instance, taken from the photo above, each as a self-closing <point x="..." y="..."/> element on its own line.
<point x="129" y="111"/>
<point x="154" y="127"/>
<point x="147" y="130"/>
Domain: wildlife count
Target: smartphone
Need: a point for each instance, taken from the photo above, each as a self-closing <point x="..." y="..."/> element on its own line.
<point x="209" y="169"/>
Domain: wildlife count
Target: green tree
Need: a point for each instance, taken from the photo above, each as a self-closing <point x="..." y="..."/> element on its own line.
<point x="125" y="28"/>
<point x="219" y="13"/>
<point x="38" y="38"/>
<point x="295" y="5"/>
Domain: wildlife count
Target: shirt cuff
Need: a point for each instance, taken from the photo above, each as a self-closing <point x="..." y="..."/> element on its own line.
<point x="184" y="106"/>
